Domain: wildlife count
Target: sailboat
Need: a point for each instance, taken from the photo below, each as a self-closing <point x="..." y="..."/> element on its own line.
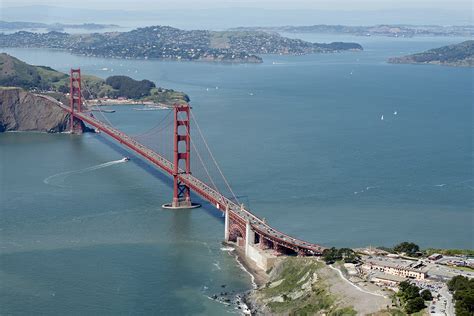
<point x="381" y="118"/>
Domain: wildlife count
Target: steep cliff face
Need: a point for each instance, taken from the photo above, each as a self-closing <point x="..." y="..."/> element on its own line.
<point x="24" y="111"/>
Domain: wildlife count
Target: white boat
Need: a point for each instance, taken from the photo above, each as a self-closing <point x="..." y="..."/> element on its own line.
<point x="124" y="159"/>
<point x="381" y="118"/>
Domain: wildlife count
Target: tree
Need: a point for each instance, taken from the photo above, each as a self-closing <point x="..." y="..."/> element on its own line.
<point x="411" y="292"/>
<point x="426" y="295"/>
<point x="414" y="305"/>
<point x="403" y="286"/>
<point x="407" y="247"/>
<point x="63" y="89"/>
<point x="351" y="258"/>
<point x="458" y="282"/>
<point x="408" y="291"/>
<point x="463" y="296"/>
<point x="130" y="88"/>
<point x="331" y="255"/>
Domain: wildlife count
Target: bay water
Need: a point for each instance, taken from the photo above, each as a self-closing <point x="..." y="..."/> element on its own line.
<point x="301" y="140"/>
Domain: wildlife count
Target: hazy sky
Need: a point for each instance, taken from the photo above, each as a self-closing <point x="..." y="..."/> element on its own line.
<point x="220" y="14"/>
<point x="270" y="4"/>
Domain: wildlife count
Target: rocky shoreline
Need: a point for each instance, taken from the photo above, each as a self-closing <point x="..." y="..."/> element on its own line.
<point x="259" y="277"/>
<point x="242" y="301"/>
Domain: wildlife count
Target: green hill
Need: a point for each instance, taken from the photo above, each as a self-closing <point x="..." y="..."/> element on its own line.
<point x="16" y="73"/>
<point x="461" y="54"/>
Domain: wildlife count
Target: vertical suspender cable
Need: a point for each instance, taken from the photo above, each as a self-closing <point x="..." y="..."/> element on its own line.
<point x="213" y="159"/>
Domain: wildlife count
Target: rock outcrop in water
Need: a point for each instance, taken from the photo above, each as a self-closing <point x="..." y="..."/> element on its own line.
<point x="24" y="111"/>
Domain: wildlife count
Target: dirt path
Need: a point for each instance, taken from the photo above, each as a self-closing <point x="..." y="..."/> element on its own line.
<point x="363" y="301"/>
<point x="352" y="284"/>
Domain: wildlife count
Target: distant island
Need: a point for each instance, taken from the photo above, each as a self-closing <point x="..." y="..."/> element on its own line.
<point x="390" y="30"/>
<point x="27" y="92"/>
<point x="18" y="25"/>
<point x="168" y="43"/>
<point x="459" y="55"/>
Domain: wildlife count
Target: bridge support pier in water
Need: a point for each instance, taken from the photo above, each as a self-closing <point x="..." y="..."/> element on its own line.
<point x="75" y="101"/>
<point x="181" y="192"/>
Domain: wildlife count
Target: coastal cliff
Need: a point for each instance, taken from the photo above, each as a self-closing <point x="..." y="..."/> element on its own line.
<point x="24" y="111"/>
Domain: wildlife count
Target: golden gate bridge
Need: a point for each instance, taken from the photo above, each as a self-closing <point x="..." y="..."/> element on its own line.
<point x="172" y="155"/>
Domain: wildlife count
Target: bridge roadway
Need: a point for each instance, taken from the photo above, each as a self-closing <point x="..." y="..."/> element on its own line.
<point x="258" y="225"/>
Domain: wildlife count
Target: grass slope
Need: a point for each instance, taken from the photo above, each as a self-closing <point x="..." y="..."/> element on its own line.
<point x="16" y="73"/>
<point x="296" y="289"/>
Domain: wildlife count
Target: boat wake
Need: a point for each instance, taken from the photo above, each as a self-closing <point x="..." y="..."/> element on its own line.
<point x="452" y="185"/>
<point x="151" y="108"/>
<point x="217" y="265"/>
<point x="58" y="179"/>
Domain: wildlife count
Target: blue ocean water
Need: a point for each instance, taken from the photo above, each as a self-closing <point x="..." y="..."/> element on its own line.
<point x="300" y="138"/>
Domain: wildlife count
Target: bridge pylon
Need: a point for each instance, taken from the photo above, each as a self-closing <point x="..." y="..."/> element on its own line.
<point x="75" y="101"/>
<point x="181" y="192"/>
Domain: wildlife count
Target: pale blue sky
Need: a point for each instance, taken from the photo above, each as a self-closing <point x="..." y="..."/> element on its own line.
<point x="270" y="4"/>
<point x="220" y="14"/>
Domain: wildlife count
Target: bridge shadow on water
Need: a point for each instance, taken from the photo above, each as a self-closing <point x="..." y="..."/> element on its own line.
<point x="160" y="175"/>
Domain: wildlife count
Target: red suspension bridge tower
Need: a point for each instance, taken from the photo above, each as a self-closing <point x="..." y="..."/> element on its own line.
<point x="75" y="101"/>
<point x="182" y="152"/>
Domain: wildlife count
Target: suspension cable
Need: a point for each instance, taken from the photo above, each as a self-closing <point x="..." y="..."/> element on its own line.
<point x="213" y="158"/>
<point x="149" y="131"/>
<point x="200" y="159"/>
<point x="155" y="130"/>
<point x="98" y="107"/>
<point x="134" y="136"/>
